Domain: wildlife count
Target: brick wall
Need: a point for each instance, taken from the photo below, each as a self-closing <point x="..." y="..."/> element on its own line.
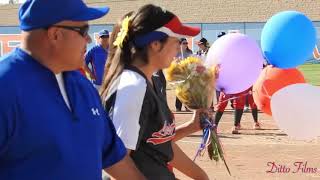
<point x="215" y="11"/>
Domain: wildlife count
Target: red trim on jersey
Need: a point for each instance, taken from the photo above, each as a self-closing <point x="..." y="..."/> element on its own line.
<point x="166" y="134"/>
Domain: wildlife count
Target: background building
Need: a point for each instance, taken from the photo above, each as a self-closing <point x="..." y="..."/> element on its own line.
<point x="212" y="16"/>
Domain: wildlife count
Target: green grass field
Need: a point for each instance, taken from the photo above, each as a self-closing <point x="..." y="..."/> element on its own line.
<point x="312" y="73"/>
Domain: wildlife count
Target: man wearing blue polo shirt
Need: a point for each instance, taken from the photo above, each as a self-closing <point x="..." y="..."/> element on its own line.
<point x="97" y="57"/>
<point x="52" y="123"/>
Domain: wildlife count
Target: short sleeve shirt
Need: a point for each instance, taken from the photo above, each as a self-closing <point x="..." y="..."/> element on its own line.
<point x="97" y="58"/>
<point x="40" y="137"/>
<point x="143" y="121"/>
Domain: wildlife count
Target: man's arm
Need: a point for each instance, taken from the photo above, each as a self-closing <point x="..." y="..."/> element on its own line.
<point x="3" y="132"/>
<point x="88" y="57"/>
<point x="125" y="169"/>
<point x="8" y="109"/>
<point x="117" y="160"/>
<point x="88" y="72"/>
<point x="8" y="116"/>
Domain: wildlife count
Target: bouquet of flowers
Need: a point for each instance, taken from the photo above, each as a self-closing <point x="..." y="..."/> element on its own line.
<point x="194" y="82"/>
<point x="194" y="86"/>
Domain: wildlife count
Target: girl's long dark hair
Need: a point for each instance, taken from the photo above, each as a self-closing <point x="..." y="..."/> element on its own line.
<point x="147" y="19"/>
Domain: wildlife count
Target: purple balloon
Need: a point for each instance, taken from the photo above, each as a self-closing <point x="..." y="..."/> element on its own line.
<point x="240" y="60"/>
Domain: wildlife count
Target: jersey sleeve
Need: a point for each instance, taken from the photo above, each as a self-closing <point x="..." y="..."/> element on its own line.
<point x="4" y="120"/>
<point x="128" y="108"/>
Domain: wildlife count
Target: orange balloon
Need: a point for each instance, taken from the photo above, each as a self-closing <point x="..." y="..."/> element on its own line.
<point x="270" y="81"/>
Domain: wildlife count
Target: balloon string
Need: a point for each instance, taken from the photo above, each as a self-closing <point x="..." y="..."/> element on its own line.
<point x="204" y="142"/>
<point x="267" y="94"/>
<point x="205" y="137"/>
<point x="263" y="86"/>
<point x="232" y="98"/>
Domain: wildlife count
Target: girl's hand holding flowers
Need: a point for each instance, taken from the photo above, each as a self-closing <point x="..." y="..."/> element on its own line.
<point x="194" y="86"/>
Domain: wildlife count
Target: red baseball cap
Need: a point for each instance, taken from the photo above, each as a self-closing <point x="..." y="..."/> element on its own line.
<point x="174" y="28"/>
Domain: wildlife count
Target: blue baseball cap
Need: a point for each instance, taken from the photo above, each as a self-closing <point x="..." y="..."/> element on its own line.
<point x="221" y="34"/>
<point x="103" y="33"/>
<point x="35" y="14"/>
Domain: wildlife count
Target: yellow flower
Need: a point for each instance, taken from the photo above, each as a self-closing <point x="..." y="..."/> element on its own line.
<point x="193" y="81"/>
<point x="121" y="36"/>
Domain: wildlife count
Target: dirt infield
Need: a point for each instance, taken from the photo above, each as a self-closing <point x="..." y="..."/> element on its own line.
<point x="254" y="154"/>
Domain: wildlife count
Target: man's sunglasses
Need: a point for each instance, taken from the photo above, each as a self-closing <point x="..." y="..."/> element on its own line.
<point x="83" y="30"/>
<point x="185" y="43"/>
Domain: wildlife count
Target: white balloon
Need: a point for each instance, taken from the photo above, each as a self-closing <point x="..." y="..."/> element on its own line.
<point x="296" y="110"/>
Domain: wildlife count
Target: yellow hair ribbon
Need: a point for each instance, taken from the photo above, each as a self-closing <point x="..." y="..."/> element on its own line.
<point x="123" y="33"/>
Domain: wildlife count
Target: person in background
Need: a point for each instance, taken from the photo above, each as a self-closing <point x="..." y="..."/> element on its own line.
<point x="184" y="49"/>
<point x="238" y="101"/>
<point x="97" y="56"/>
<point x="204" y="46"/>
<point x="254" y="109"/>
<point x="55" y="127"/>
<point x="218" y="92"/>
<point x="246" y="105"/>
<point x="183" y="53"/>
<point x="238" y="104"/>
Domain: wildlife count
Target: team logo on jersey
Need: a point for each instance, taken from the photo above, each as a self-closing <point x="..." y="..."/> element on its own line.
<point x="164" y="135"/>
<point x="95" y="111"/>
